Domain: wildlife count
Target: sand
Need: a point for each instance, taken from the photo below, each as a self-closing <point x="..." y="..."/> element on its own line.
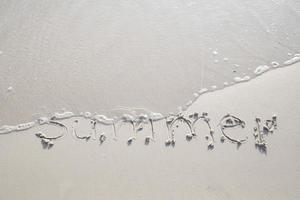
<point x="76" y="169"/>
<point x="61" y="58"/>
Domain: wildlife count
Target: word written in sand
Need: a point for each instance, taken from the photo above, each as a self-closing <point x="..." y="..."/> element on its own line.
<point x="172" y="122"/>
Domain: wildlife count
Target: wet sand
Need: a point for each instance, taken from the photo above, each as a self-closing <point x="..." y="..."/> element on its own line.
<point x="76" y="169"/>
<point x="95" y="56"/>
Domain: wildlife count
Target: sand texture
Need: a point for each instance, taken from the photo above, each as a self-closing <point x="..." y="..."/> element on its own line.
<point x="79" y="169"/>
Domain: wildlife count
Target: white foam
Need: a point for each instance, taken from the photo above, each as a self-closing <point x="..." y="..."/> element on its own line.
<point x="24" y="126"/>
<point x="6" y="129"/>
<point x="275" y="64"/>
<point x="261" y="69"/>
<point x="20" y="127"/>
<point x="215" y="53"/>
<point x="214" y="87"/>
<point x="63" y="115"/>
<point x="203" y="90"/>
<point x="292" y="60"/>
<point x="127" y="118"/>
<point x="143" y="117"/>
<point x="9" y="89"/>
<point x="156" y="116"/>
<point x="104" y="119"/>
<point x="241" y="79"/>
<point x="87" y="115"/>
<point x="43" y="120"/>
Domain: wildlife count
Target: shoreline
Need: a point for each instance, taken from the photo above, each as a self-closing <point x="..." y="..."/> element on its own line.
<point x="78" y="168"/>
<point x="131" y="114"/>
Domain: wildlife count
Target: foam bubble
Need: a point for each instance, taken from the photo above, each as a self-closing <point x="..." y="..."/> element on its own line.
<point x="143" y="117"/>
<point x="215" y="53"/>
<point x="127" y="118"/>
<point x="292" y="60"/>
<point x="20" y="127"/>
<point x="156" y="116"/>
<point x="24" y="126"/>
<point x="43" y="120"/>
<point x="63" y="115"/>
<point x="196" y="95"/>
<point x="6" y="129"/>
<point x="104" y="119"/>
<point x="203" y="90"/>
<point x="87" y="115"/>
<point x="261" y="69"/>
<point x="214" y="87"/>
<point x="9" y="89"/>
<point x="275" y="64"/>
<point x="241" y="79"/>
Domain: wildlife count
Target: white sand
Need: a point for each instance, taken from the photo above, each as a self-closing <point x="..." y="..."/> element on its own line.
<point x="97" y="55"/>
<point x="74" y="169"/>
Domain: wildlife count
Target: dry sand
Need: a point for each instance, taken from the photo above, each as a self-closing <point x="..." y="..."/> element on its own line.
<point x="74" y="169"/>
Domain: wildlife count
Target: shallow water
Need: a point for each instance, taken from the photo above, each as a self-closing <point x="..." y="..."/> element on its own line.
<point x="98" y="55"/>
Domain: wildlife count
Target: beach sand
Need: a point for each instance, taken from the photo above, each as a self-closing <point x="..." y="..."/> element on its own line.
<point x="115" y="57"/>
<point x="76" y="169"/>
